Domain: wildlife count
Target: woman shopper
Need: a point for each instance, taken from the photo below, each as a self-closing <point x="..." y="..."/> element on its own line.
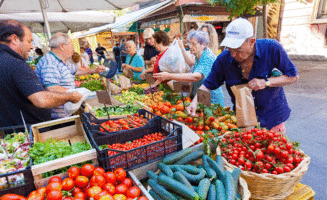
<point x="210" y="29"/>
<point x="134" y="61"/>
<point x="204" y="59"/>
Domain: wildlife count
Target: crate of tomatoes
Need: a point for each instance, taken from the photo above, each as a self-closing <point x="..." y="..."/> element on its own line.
<point x="134" y="148"/>
<point x="88" y="182"/>
<point x="15" y="164"/>
<point x="271" y="164"/>
<point x="104" y="126"/>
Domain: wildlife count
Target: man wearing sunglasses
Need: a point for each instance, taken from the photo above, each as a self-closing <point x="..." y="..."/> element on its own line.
<point x="252" y="62"/>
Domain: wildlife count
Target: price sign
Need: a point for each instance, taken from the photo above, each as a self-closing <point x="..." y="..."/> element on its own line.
<point x="129" y="74"/>
<point x="103" y="97"/>
<point x="204" y="97"/>
<point x="149" y="78"/>
<point x="182" y="86"/>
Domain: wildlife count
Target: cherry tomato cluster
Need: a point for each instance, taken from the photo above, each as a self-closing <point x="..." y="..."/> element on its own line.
<point x="261" y="151"/>
<point x="131" y="121"/>
<point x="140" y="153"/>
<point x="89" y="183"/>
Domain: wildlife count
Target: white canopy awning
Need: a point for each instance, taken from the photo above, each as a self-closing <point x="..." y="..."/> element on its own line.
<point x="129" y="18"/>
<point x="62" y="22"/>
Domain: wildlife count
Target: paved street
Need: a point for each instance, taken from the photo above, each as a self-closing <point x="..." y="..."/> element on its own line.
<point x="308" y="122"/>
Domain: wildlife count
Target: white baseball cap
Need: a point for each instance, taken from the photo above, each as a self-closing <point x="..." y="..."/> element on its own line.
<point x="237" y="32"/>
<point x="147" y="33"/>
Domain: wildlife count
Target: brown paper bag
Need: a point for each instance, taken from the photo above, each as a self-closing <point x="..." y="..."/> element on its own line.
<point x="245" y="109"/>
<point x="125" y="83"/>
<point x="115" y="89"/>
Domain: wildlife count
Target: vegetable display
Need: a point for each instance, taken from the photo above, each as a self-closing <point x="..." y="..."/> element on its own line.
<point x="128" y="97"/>
<point x="14" y="157"/>
<point x="93" y="85"/>
<point x="261" y="151"/>
<point x="116" y="110"/>
<point x="129" y="122"/>
<point x="179" y="180"/>
<point x="84" y="183"/>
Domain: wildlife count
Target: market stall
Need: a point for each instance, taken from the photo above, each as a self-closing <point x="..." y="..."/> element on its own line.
<point x="144" y="145"/>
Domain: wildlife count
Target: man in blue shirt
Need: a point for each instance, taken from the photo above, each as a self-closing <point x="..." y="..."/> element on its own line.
<point x="250" y="61"/>
<point x="89" y="52"/>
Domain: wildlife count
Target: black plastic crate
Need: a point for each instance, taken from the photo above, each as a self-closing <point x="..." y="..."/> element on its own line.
<point x="91" y="123"/>
<point x="143" y="155"/>
<point x="17" y="187"/>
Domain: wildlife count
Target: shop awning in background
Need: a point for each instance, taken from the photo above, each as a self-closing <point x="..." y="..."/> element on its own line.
<point x="62" y="22"/>
<point x="129" y="18"/>
<point x="206" y="18"/>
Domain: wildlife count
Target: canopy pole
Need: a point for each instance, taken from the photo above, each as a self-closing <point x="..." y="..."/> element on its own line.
<point x="45" y="18"/>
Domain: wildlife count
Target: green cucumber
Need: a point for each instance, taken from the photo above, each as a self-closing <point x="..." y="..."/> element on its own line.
<point x="218" y="169"/>
<point x="193" y="178"/>
<point x="177" y="187"/>
<point x="203" y="188"/>
<point x="204" y="160"/>
<point x="160" y="190"/>
<point x="229" y="186"/>
<point x="152" y="175"/>
<point x="220" y="190"/>
<point x="189" y="168"/>
<point x="166" y="170"/>
<point x="181" y="178"/>
<point x="195" y="188"/>
<point x="236" y="175"/>
<point x="189" y="158"/>
<point x="155" y="195"/>
<point x="211" y="174"/>
<point x="212" y="192"/>
<point x="172" y="158"/>
<point x="219" y="161"/>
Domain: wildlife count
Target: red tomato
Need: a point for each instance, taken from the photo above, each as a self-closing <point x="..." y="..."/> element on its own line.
<point x="142" y="198"/>
<point x="98" y="171"/>
<point x="199" y="128"/>
<point x="97" y="197"/>
<point x="110" y="188"/>
<point x="76" y="190"/>
<point x="55" y="179"/>
<point x="68" y="184"/>
<point x="67" y="198"/>
<point x="107" y="197"/>
<point x="81" y="181"/>
<point x="92" y="191"/>
<point x="73" y="172"/>
<point x="280" y="170"/>
<point x="133" y="192"/>
<point x="54" y="186"/>
<point x="167" y="103"/>
<point x="128" y="182"/>
<point x="87" y="170"/>
<point x="120" y="174"/>
<point x="121" y="189"/>
<point x="80" y="195"/>
<point x="110" y="177"/>
<point x="54" y="195"/>
<point x="98" y="181"/>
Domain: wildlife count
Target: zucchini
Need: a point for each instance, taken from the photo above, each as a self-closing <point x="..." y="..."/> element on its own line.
<point x="160" y="190"/>
<point x="152" y="175"/>
<point x="181" y="178"/>
<point x="193" y="178"/>
<point x="236" y="175"/>
<point x="195" y="188"/>
<point x="219" y="161"/>
<point x="229" y="186"/>
<point x="177" y="187"/>
<point x="211" y="174"/>
<point x="155" y="195"/>
<point x="189" y="168"/>
<point x="172" y="158"/>
<point x="189" y="158"/>
<point x="212" y="192"/>
<point x="203" y="188"/>
<point x="166" y="169"/>
<point x="220" y="190"/>
<point x="204" y="160"/>
<point x="218" y="169"/>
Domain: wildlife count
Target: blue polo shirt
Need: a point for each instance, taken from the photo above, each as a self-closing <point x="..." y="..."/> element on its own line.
<point x="271" y="104"/>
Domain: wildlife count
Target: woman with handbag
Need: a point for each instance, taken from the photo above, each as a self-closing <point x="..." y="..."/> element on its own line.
<point x="134" y="62"/>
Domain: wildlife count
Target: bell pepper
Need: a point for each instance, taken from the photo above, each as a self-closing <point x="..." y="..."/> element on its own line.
<point x="214" y="124"/>
<point x="223" y="126"/>
<point x="222" y="119"/>
<point x="230" y="126"/>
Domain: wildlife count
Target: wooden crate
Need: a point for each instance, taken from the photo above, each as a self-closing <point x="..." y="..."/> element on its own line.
<point x="73" y="133"/>
<point x="137" y="183"/>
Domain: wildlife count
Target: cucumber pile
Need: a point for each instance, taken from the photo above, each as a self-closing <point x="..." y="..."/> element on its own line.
<point x="178" y="180"/>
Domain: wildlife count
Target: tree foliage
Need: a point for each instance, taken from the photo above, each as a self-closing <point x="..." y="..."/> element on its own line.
<point x="241" y="7"/>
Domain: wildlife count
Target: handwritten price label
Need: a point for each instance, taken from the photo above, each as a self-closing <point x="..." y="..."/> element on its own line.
<point x="204" y="97"/>
<point x="183" y="86"/>
<point x="104" y="97"/>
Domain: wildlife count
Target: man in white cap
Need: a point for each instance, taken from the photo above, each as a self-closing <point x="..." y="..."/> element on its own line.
<point x="150" y="51"/>
<point x="250" y="61"/>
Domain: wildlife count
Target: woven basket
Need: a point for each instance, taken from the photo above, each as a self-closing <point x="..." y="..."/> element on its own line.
<point x="270" y="186"/>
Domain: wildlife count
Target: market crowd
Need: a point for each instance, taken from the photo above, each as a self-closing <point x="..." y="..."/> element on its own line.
<point x="40" y="95"/>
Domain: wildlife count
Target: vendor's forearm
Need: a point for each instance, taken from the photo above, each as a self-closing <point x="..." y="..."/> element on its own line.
<point x="188" y="77"/>
<point x="56" y="89"/>
<point x="45" y="99"/>
<point x="282" y="80"/>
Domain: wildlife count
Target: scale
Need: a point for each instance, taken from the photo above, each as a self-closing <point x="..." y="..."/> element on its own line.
<point x="112" y="66"/>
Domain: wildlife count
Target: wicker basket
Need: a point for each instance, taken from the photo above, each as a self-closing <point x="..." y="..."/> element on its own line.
<point x="270" y="186"/>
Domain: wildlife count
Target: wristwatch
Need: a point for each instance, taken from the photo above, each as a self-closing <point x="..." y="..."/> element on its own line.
<point x="267" y="83"/>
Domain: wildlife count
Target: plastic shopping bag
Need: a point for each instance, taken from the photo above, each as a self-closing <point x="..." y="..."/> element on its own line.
<point x="70" y="107"/>
<point x="173" y="60"/>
